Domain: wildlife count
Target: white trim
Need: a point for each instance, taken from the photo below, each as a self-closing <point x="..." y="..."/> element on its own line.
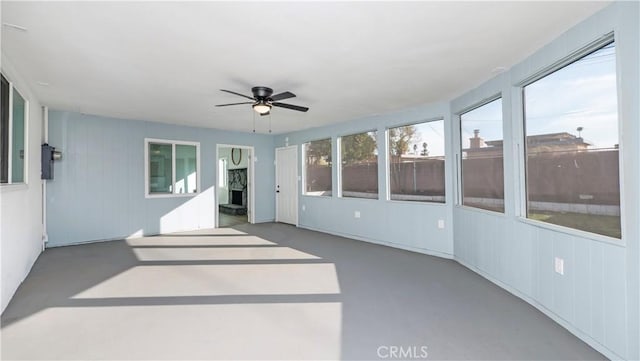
<point x="338" y="161"/>
<point x="303" y="167"/>
<point x="251" y="160"/>
<point x="481" y="210"/>
<point x="297" y="181"/>
<point x="519" y="108"/>
<point x="25" y="144"/>
<point x="25" y="141"/>
<point x="573" y="232"/>
<point x="173" y="144"/>
<point x="459" y="160"/>
<point x="388" y="164"/>
<point x="621" y="146"/>
<point x="10" y="137"/>
<point x="45" y="139"/>
<point x="339" y="143"/>
<point x="564" y="61"/>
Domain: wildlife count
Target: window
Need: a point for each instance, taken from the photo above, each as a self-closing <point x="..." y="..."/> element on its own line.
<point x="12" y="134"/>
<point x="172" y="167"/>
<point x="571" y="129"/>
<point x="359" y="160"/>
<point x="482" y="157"/>
<point x="317" y="167"/>
<point x="416" y="162"/>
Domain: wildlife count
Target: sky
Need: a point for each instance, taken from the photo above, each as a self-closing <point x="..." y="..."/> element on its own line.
<point x="582" y="94"/>
<point x="486" y="118"/>
<point x="433" y="134"/>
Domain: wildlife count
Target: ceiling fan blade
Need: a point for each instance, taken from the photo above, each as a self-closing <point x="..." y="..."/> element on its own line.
<point x="290" y="106"/>
<point x="224" y="105"/>
<point x="242" y="95"/>
<point x="282" y="96"/>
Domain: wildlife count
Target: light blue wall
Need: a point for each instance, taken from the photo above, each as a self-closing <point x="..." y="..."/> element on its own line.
<point x="98" y="190"/>
<point x="597" y="298"/>
<point x="98" y="194"/>
<point x="409" y="225"/>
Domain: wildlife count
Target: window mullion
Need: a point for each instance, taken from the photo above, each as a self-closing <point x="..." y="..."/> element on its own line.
<point x="173" y="168"/>
<point x="10" y="137"/>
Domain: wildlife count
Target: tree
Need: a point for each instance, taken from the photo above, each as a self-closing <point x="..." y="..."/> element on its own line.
<point x="317" y="151"/>
<point x="399" y="141"/>
<point x="358" y="148"/>
<point x="425" y="151"/>
<point x="400" y="138"/>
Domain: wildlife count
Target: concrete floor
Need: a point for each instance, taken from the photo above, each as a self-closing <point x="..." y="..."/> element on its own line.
<point x="268" y="291"/>
<point x="228" y="220"/>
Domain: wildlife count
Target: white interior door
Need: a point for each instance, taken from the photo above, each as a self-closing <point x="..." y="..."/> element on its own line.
<point x="287" y="185"/>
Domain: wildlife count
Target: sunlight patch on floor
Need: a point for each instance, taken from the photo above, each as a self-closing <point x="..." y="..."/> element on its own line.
<point x="220" y="253"/>
<point x="236" y="240"/>
<point x="212" y="280"/>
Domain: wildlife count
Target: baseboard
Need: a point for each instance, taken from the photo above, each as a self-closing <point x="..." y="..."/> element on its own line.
<point x="559" y="320"/>
<point x="381" y="243"/>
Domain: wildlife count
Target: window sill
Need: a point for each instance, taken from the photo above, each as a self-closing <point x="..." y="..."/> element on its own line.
<point x="317" y="196"/>
<point x="358" y="198"/>
<point x="179" y="195"/>
<point x="6" y="188"/>
<point x="418" y="203"/>
<point x="574" y="232"/>
<point x="481" y="210"/>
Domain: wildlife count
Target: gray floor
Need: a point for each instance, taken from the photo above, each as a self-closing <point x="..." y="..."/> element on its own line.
<point x="268" y="291"/>
<point x="228" y="220"/>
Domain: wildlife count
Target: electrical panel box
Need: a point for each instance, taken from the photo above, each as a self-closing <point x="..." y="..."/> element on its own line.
<point x="47" y="161"/>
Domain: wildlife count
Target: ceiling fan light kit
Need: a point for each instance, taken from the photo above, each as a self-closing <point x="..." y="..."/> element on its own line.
<point x="263" y="100"/>
<point x="262" y="107"/>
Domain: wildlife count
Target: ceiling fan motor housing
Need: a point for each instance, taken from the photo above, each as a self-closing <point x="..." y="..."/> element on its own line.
<point x="261" y="92"/>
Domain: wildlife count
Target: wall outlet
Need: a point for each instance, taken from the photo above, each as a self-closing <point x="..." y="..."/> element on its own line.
<point x="304" y="207"/>
<point x="559" y="265"/>
<point x="440" y="223"/>
<point x="356" y="214"/>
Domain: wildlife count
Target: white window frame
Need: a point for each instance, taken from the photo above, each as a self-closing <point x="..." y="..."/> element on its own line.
<point x="459" y="159"/>
<point x="173" y="144"/>
<point x="339" y="160"/>
<point x="388" y="164"/>
<point x="518" y="106"/>
<point x="25" y="169"/>
<point x="304" y="168"/>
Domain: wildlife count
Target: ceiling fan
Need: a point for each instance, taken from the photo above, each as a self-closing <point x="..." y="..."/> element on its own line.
<point x="263" y="99"/>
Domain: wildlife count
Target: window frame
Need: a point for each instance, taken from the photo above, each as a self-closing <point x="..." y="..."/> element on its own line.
<point x="518" y="106"/>
<point x="173" y="144"/>
<point x="388" y="162"/>
<point x="303" y="152"/>
<point x="459" y="156"/>
<point x="339" y="192"/>
<point x="25" y="170"/>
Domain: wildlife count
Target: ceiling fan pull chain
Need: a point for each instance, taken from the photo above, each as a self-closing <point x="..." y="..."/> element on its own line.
<point x="254" y="121"/>
<point x="269" y="122"/>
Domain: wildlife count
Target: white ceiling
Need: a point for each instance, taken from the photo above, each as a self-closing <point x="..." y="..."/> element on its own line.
<point x="166" y="61"/>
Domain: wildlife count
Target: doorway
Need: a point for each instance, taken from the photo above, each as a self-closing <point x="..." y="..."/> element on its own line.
<point x="234" y="195"/>
<point x="287" y="185"/>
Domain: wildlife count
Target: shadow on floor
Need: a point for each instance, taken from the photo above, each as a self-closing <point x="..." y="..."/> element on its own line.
<point x="351" y="300"/>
